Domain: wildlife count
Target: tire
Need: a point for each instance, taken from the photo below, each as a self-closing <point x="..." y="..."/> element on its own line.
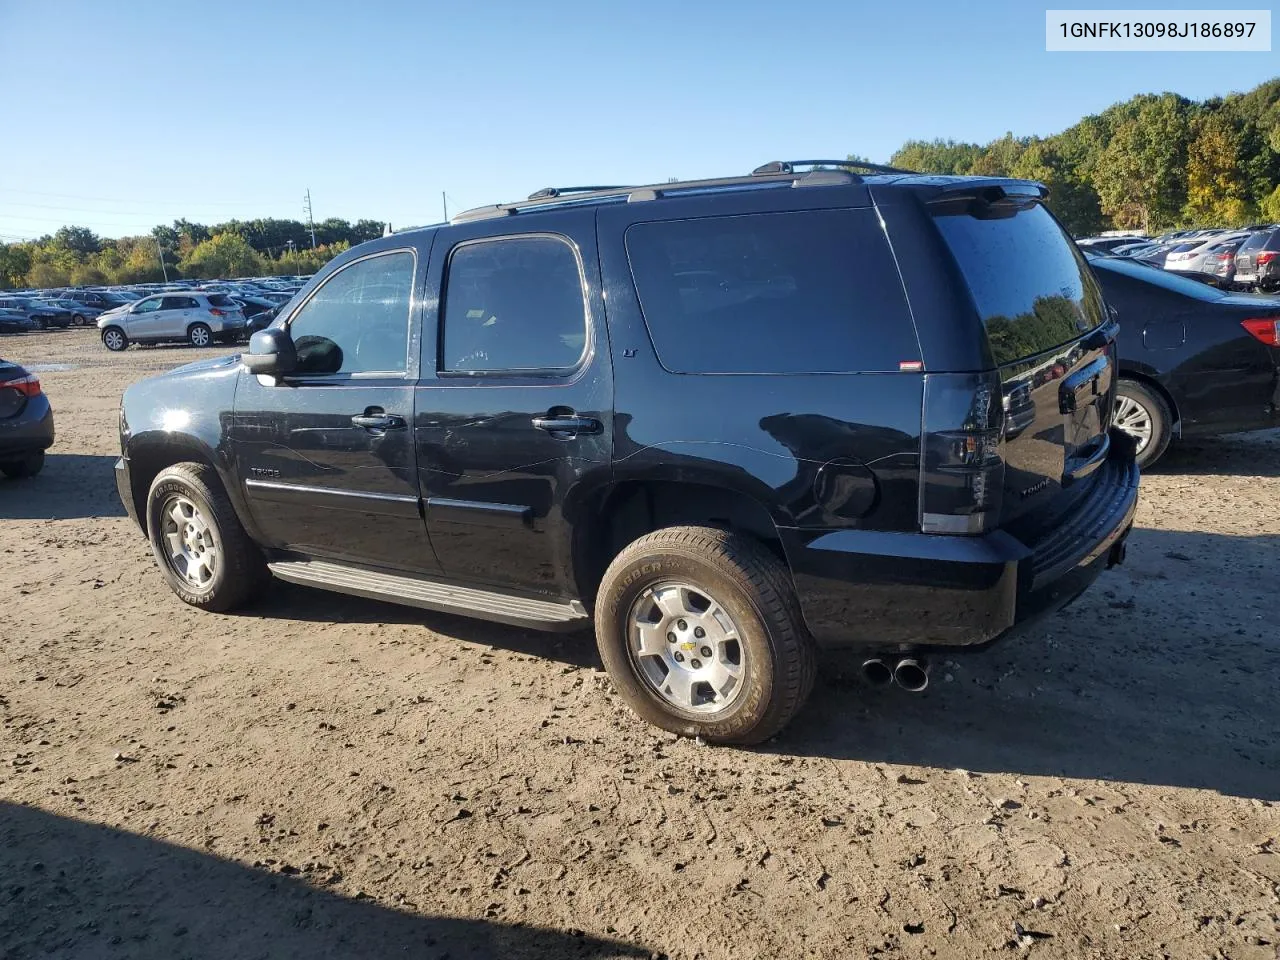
<point x="28" y="466"/>
<point x="238" y="569"/>
<point x="200" y="335"/>
<point x="78" y="320"/>
<point x="1137" y="405"/>
<point x="776" y="656"/>
<point x="115" y="339"/>
<point x="39" y="322"/>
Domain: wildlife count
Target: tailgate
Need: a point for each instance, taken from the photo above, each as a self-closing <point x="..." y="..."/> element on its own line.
<point x="1047" y="328"/>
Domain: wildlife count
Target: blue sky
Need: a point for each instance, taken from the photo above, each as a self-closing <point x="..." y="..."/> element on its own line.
<point x="135" y="113"/>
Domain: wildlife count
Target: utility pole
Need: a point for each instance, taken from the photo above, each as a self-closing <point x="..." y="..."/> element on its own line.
<point x="310" y="222"/>
<point x="163" y="268"/>
<point x="444" y="202"/>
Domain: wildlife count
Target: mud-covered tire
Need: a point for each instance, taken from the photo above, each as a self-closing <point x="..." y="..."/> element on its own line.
<point x="754" y="588"/>
<point x="1159" y="416"/>
<point x="240" y="571"/>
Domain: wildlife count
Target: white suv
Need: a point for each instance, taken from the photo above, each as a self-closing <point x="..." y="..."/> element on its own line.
<point x="199" y="318"/>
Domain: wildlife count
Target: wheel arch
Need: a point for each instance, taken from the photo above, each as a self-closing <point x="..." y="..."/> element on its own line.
<point x="151" y="452"/>
<point x="620" y="512"/>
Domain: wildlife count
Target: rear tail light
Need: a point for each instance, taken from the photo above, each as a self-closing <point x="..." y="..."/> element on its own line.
<point x="28" y="385"/>
<point x="216" y="312"/>
<point x="1268" y="330"/>
<point x="1266" y="257"/>
<point x="14" y="393"/>
<point x="961" y="467"/>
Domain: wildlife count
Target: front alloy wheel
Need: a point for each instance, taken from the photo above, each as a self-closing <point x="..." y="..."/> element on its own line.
<point x="191" y="546"/>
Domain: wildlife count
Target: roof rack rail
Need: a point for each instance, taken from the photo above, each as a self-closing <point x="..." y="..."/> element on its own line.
<point x="774" y="167"/>
<point x="546" y="193"/>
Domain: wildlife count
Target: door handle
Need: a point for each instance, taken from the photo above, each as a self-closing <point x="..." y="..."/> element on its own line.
<point x="378" y="421"/>
<point x="568" y="426"/>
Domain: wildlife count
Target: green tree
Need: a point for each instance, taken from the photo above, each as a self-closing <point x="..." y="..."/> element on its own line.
<point x="1141" y="176"/>
<point x="15" y="261"/>
<point x="80" y="240"/>
<point x="936" y="156"/>
<point x="222" y="255"/>
<point x="1215" y="175"/>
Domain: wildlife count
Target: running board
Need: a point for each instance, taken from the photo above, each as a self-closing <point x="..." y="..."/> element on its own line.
<point x="554" y="615"/>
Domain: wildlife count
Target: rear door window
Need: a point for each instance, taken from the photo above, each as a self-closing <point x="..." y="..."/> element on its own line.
<point x="1028" y="281"/>
<point x="802" y="292"/>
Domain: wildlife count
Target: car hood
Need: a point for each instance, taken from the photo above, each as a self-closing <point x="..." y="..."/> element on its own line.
<point x="200" y="366"/>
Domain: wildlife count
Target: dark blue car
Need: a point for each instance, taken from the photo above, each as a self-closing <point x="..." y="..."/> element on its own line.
<point x="26" y="422"/>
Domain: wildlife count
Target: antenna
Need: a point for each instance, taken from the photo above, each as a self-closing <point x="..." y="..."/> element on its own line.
<point x="445" y="203"/>
<point x="310" y="222"/>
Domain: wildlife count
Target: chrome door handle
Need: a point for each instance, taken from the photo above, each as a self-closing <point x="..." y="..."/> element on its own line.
<point x="568" y="427"/>
<point x="381" y="421"/>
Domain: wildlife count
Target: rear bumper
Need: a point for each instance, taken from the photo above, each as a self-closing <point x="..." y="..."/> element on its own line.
<point x="877" y="589"/>
<point x="30" y="431"/>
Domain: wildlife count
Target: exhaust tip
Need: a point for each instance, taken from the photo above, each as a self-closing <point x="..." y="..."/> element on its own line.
<point x="877" y="672"/>
<point x="911" y="675"/>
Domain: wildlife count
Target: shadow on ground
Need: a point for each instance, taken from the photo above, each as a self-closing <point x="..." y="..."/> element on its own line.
<point x="1159" y="675"/>
<point x="71" y="486"/>
<point x="75" y="889"/>
<point x="1244" y="454"/>
<point x="286" y="601"/>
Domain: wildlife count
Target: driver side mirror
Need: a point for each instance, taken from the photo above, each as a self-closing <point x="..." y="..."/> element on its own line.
<point x="271" y="352"/>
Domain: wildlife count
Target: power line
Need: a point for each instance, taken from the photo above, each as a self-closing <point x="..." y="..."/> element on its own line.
<point x="76" y="196"/>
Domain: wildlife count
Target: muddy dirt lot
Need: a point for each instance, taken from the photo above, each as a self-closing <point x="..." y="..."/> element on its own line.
<point x="329" y="777"/>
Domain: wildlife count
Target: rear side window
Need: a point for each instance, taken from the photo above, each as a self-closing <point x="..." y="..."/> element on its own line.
<point x="221" y="300"/>
<point x="1028" y="281"/>
<point x="804" y="292"/>
<point x="513" y="304"/>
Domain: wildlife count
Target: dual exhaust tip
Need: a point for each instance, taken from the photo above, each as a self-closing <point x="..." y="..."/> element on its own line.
<point x="910" y="673"/>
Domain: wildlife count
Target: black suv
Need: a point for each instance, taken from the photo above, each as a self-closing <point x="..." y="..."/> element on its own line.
<point x="733" y="420"/>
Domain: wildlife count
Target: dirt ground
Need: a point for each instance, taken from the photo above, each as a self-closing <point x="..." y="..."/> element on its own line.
<point x="330" y="777"/>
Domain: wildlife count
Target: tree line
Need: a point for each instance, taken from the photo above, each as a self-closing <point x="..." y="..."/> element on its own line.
<point x="76" y="256"/>
<point x="1154" y="162"/>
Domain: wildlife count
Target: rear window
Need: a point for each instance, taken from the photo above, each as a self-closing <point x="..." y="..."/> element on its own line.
<point x="1255" y="242"/>
<point x="1029" y="282"/>
<point x="221" y="300"/>
<point x="1160" y="278"/>
<point x="803" y="292"/>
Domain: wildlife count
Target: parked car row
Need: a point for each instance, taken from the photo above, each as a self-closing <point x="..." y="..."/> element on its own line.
<point x="151" y="313"/>
<point x="1247" y="258"/>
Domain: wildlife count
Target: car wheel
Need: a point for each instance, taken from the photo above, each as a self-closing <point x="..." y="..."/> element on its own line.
<point x="200" y="335"/>
<point x="702" y="634"/>
<point x="39" y="322"/>
<point x="197" y="539"/>
<point x="1144" y="415"/>
<point x="79" y="320"/>
<point x="28" y="466"/>
<point x="113" y="338"/>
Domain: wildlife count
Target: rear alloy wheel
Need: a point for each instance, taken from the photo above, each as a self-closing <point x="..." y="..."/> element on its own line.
<point x="28" y="466"/>
<point x="1143" y="414"/>
<point x="113" y="338"/>
<point x="200" y="335"/>
<point x="702" y="634"/>
<point x="79" y="321"/>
